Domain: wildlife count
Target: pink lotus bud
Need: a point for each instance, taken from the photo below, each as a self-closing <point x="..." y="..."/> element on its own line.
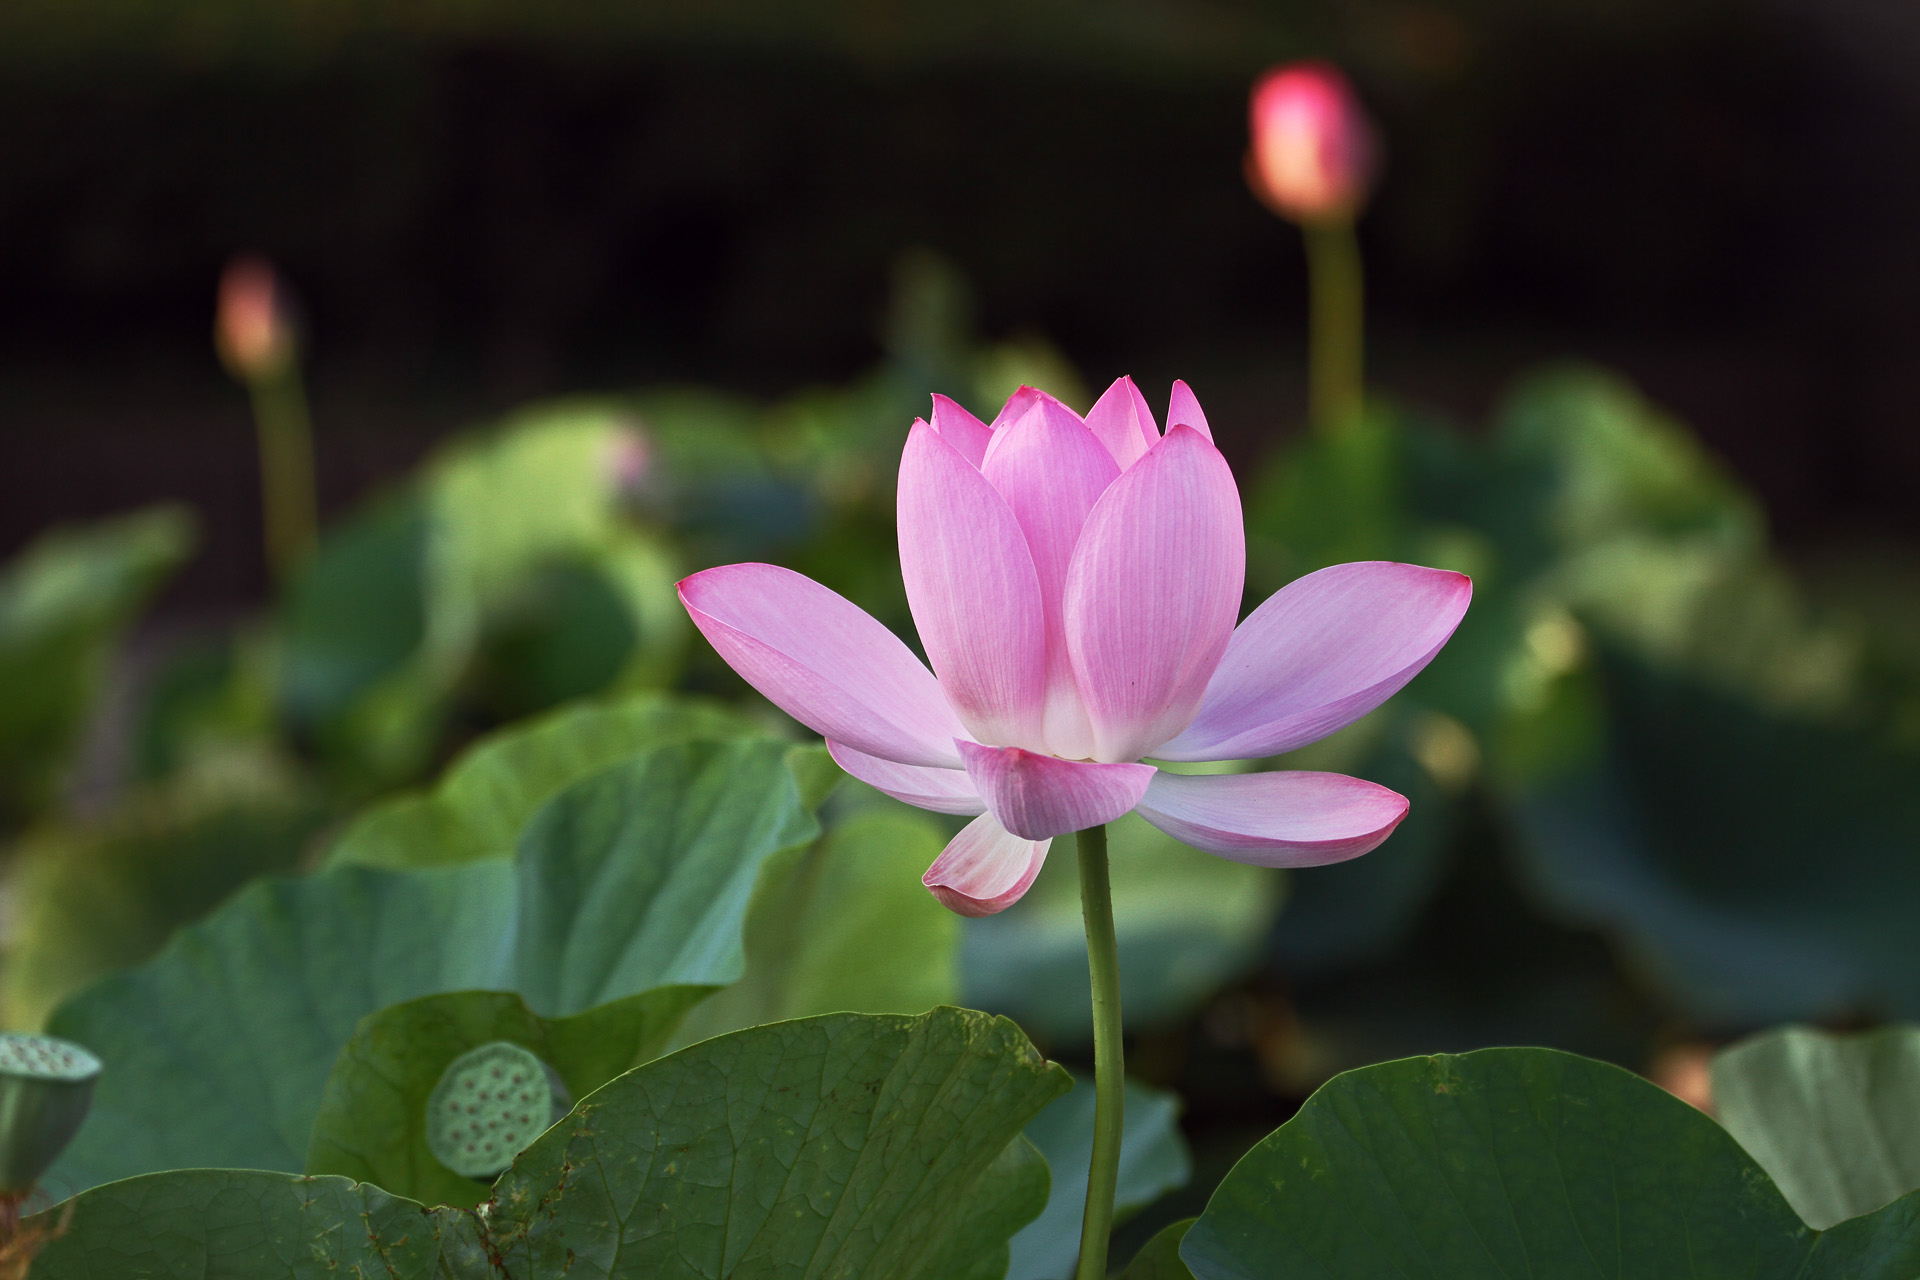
<point x="252" y="328"/>
<point x="1313" y="152"/>
<point x="1075" y="581"/>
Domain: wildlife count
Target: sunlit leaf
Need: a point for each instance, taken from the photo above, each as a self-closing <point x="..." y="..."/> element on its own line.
<point x="485" y="798"/>
<point x="1833" y="1119"/>
<point x="217" y="1051"/>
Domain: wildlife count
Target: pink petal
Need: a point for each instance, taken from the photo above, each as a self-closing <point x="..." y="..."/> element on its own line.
<point x="1320" y="653"/>
<point x="974" y="594"/>
<point x="1039" y="797"/>
<point x="822" y="660"/>
<point x="1152" y="593"/>
<point x="1051" y="471"/>
<point x="1183" y="410"/>
<point x="1287" y="819"/>
<point x="941" y="790"/>
<point x="961" y="429"/>
<point x="985" y="868"/>
<point x="1121" y="421"/>
<point x="1017" y="405"/>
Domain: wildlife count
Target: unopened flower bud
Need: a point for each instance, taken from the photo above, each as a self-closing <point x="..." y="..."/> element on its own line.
<point x="253" y="327"/>
<point x="1313" y="154"/>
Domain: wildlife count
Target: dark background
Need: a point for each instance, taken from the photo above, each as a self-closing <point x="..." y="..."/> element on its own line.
<point x="481" y="203"/>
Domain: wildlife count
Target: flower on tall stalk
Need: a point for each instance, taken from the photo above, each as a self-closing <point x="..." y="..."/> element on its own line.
<point x="1313" y="152"/>
<point x="1075" y="583"/>
<point x="253" y="326"/>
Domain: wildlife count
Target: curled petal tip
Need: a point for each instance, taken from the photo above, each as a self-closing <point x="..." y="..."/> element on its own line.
<point x="985" y="869"/>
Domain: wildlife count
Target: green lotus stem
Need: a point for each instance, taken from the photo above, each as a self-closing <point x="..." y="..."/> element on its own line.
<point x="1336" y="328"/>
<point x="1109" y="1065"/>
<point x="286" y="465"/>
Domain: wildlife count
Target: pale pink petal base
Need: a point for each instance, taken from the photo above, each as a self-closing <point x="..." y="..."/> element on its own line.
<point x="985" y="868"/>
<point x="823" y="660"/>
<point x="1285" y="819"/>
<point x="1038" y="797"/>
<point x="941" y="790"/>
<point x="1320" y="653"/>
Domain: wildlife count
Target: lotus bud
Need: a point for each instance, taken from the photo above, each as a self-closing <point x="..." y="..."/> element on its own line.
<point x="46" y="1086"/>
<point x="1313" y="155"/>
<point x="490" y="1103"/>
<point x="253" y="326"/>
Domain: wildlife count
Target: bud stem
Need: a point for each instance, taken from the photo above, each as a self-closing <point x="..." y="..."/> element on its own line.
<point x="1109" y="1066"/>
<point x="286" y="466"/>
<point x="1336" y="329"/>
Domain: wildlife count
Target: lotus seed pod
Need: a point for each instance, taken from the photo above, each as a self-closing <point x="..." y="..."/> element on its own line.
<point x="490" y="1103"/>
<point x="46" y="1086"/>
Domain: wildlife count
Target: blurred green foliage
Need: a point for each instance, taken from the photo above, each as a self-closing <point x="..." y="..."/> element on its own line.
<point x="65" y="602"/>
<point x="1648" y="726"/>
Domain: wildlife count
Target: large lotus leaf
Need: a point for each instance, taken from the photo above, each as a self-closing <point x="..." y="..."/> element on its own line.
<point x="487" y="797"/>
<point x="869" y="1148"/>
<point x="1760" y="867"/>
<point x="846" y="1145"/>
<point x="1186" y="921"/>
<point x="91" y="897"/>
<point x="248" y="1224"/>
<point x="63" y="602"/>
<point x="372" y="1124"/>
<point x="844" y="925"/>
<point x="217" y="1051"/>
<point x="1519" y="1162"/>
<point x="1833" y="1119"/>
<point x="1153" y="1161"/>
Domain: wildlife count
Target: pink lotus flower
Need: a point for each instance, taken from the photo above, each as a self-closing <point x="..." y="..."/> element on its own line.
<point x="1313" y="151"/>
<point x="1075" y="582"/>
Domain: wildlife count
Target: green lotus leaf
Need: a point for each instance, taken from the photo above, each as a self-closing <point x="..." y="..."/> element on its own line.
<point x="858" y="1146"/>
<point x="1833" y="1119"/>
<point x="1520" y="1162"/>
<point x="217" y="1051"/>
